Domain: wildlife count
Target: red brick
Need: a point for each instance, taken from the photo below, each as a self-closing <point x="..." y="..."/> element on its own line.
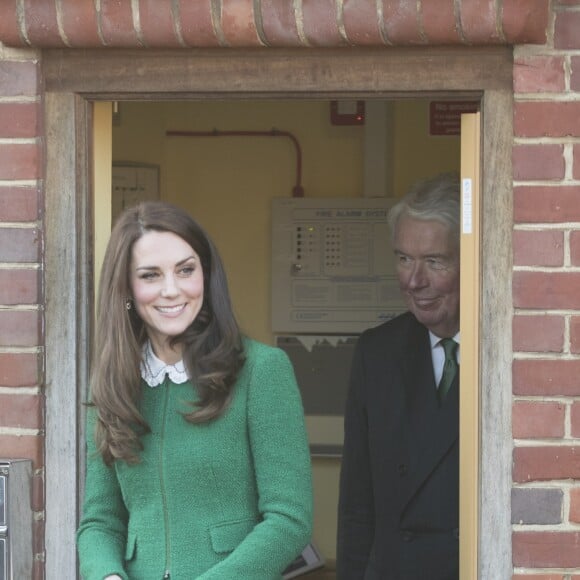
<point x="21" y="411"/>
<point x="575" y="72"/>
<point x="18" y="79"/>
<point x="538" y="577"/>
<point x="238" y="23"/>
<point x="320" y="23"/>
<point x="79" y="23"/>
<point x="19" y="328"/>
<point x="575" y="419"/>
<point x="23" y="447"/>
<point x="524" y="21"/>
<point x="538" y="162"/>
<point x="546" y="549"/>
<point x="361" y="23"/>
<point x="535" y="74"/>
<point x="117" y="24"/>
<point x="196" y="23"/>
<point x="546" y="290"/>
<point x="38" y="530"/>
<point x="545" y="248"/>
<point x="546" y="463"/>
<point x="566" y="27"/>
<point x="41" y="24"/>
<point x="19" y="287"/>
<point x="19" y="245"/>
<point x="575" y="334"/>
<point x="401" y="22"/>
<point x="575" y="248"/>
<point x="546" y="204"/>
<point x="575" y="505"/>
<point x="537" y="505"/>
<point x="9" y="27"/>
<point x="19" y="161"/>
<point x="547" y="119"/>
<point x="532" y="420"/>
<point x="19" y="369"/>
<point x="576" y="162"/>
<point x="478" y="22"/>
<point x="18" y="204"/>
<point x="18" y="120"/>
<point x="543" y="333"/>
<point x="279" y="23"/>
<point x="37" y="491"/>
<point x="38" y="572"/>
<point x="157" y="23"/>
<point x="439" y="23"/>
<point x="540" y="377"/>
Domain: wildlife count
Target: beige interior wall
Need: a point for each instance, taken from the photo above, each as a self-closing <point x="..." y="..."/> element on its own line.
<point x="227" y="185"/>
<point x="417" y="155"/>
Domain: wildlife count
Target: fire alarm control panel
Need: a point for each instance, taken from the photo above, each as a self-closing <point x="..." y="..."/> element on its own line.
<point x="333" y="267"/>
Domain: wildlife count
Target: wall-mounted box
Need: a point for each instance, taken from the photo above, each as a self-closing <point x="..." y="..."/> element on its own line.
<point x="15" y="519"/>
<point x="333" y="267"/>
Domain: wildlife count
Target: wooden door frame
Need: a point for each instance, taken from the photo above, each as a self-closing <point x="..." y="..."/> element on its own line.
<point x="74" y="78"/>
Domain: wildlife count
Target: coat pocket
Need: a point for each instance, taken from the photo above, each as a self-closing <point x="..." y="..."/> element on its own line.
<point x="130" y="547"/>
<point x="227" y="536"/>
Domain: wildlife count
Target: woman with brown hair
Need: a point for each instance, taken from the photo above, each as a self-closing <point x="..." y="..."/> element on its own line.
<point x="198" y="464"/>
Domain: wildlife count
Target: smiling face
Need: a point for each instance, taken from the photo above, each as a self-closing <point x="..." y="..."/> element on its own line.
<point x="427" y="259"/>
<point x="167" y="285"/>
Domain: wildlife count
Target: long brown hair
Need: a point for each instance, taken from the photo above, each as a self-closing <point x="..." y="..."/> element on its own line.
<point x="212" y="345"/>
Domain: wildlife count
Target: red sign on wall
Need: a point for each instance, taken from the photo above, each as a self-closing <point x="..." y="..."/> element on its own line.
<point x="445" y="116"/>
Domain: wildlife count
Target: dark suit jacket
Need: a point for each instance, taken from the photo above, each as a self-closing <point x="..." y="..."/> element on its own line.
<point x="399" y="487"/>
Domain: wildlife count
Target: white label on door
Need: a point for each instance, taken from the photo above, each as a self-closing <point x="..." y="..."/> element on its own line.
<point x="467" y="202"/>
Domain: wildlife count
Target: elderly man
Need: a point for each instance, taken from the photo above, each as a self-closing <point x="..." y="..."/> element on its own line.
<point x="399" y="488"/>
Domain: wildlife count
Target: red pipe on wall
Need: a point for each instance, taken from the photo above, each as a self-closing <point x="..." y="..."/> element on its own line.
<point x="297" y="190"/>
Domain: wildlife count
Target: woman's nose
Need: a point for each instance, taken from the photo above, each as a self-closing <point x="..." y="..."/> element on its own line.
<point x="169" y="287"/>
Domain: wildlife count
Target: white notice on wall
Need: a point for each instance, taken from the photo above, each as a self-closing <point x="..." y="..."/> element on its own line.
<point x="467" y="207"/>
<point x="333" y="267"/>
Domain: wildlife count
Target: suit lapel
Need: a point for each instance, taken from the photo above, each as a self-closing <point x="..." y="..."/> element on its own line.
<point x="431" y="429"/>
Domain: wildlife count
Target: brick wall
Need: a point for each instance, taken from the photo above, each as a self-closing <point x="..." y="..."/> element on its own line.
<point x="546" y="286"/>
<point x="546" y="237"/>
<point x="21" y="353"/>
<point x="256" y="23"/>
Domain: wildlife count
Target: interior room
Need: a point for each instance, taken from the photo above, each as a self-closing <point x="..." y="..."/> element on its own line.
<point x="230" y="162"/>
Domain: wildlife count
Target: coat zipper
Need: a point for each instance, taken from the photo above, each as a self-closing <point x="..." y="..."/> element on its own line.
<point x="166" y="575"/>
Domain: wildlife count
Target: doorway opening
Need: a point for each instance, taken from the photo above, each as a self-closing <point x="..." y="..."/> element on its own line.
<point x="225" y="162"/>
<point x="209" y="75"/>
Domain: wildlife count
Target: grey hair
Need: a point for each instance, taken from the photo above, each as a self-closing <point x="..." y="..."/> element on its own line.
<point x="437" y="198"/>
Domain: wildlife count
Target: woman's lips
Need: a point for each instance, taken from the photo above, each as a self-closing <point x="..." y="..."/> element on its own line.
<point x="170" y="309"/>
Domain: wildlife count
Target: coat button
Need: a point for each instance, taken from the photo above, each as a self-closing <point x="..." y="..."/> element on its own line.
<point x="402" y="468"/>
<point x="407" y="536"/>
<point x="456" y="533"/>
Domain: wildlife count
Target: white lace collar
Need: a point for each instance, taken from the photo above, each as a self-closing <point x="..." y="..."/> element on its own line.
<point x="153" y="370"/>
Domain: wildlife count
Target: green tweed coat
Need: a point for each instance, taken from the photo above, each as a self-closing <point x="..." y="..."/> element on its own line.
<point x="226" y="500"/>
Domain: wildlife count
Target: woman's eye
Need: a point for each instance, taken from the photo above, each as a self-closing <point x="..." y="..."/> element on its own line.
<point x="148" y="276"/>
<point x="187" y="270"/>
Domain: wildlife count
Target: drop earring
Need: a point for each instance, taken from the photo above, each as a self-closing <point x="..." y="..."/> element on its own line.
<point x="128" y="304"/>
